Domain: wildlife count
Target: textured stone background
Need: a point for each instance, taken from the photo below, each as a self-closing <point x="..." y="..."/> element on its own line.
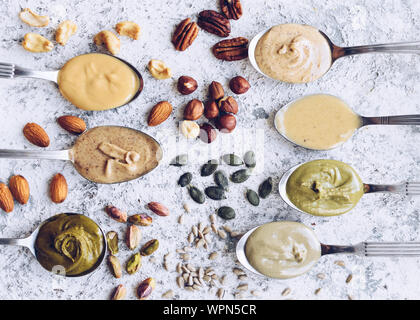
<point x="372" y="84"/>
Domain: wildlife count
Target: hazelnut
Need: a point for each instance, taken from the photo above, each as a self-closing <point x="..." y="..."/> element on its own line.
<point x="216" y="90"/>
<point x="207" y="133"/>
<point x="187" y="85"/>
<point x="228" y="105"/>
<point x="239" y="85"/>
<point x="194" y="110"/>
<point x="226" y="123"/>
<point x="211" y="109"/>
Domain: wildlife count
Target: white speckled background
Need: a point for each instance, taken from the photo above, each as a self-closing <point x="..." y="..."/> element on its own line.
<point x="372" y="84"/>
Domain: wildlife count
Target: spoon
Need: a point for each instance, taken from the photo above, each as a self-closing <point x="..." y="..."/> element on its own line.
<point x="412" y="120"/>
<point x="68" y="155"/>
<point x="406" y="188"/>
<point x="12" y="71"/>
<point x="339" y="52"/>
<point x="364" y="249"/>
<point x="29" y="243"/>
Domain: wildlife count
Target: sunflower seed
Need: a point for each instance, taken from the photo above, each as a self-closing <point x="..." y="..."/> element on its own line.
<point x="238" y="295"/>
<point x="187" y="208"/>
<point x="190" y="280"/>
<point x="213" y="283"/>
<point x="190" y="237"/>
<point x="210" y="273"/>
<point x="238" y="271"/>
<point x="206" y="278"/>
<point x="200" y="243"/>
<point x="286" y="292"/>
<point x="180" y="282"/>
<point x="196" y="287"/>
<point x="220" y="293"/>
<point x="214" y="228"/>
<point x="195" y="231"/>
<point x="255" y="293"/>
<point x="227" y="229"/>
<point x="349" y="278"/>
<point x="166" y="266"/>
<point x="197" y="282"/>
<point x="242" y="277"/>
<point x="168" y="294"/>
<point x="317" y="291"/>
<point x="186" y="257"/>
<point x="321" y="276"/>
<point x="212" y="218"/>
<point x="209" y="269"/>
<point x="166" y="256"/>
<point x="222" y="234"/>
<point x="242" y="287"/>
<point x="222" y="279"/>
<point x="180" y="251"/>
<point x="185" y="276"/>
<point x="189" y="288"/>
<point x="340" y="263"/>
<point x="213" y="256"/>
<point x="200" y="272"/>
<point x="214" y="276"/>
<point x="179" y="268"/>
<point x="181" y="219"/>
<point x="206" y="230"/>
<point x="191" y="268"/>
<point x="185" y="269"/>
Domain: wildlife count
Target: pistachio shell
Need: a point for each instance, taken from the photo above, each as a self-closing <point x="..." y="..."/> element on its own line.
<point x="196" y="194"/>
<point x="209" y="168"/>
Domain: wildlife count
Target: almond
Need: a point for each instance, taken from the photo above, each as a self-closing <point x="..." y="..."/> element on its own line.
<point x="6" y="198"/>
<point x="19" y="187"/>
<point x="36" y="135"/>
<point x="159" y="113"/>
<point x="159" y="209"/>
<point x="58" y="188"/>
<point x="72" y="124"/>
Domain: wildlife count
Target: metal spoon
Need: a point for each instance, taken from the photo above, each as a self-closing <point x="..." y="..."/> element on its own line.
<point x="12" y="71"/>
<point x="411" y="120"/>
<point x="406" y="188"/>
<point x="29" y="243"/>
<point x="339" y="52"/>
<point x="67" y="155"/>
<point x="364" y="249"/>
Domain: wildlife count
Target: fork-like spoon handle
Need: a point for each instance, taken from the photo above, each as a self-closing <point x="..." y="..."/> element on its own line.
<point x="400" y="47"/>
<point x="413" y="119"/>
<point x="375" y="249"/>
<point x="407" y="188"/>
<point x="34" y="154"/>
<point x="12" y="71"/>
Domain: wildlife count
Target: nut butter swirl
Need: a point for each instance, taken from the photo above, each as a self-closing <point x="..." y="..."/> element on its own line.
<point x="293" y="53"/>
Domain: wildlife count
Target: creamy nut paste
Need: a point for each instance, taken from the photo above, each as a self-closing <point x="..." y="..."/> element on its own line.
<point x="318" y="122"/>
<point x="97" y="82"/>
<point x="283" y="249"/>
<point x="293" y="53"/>
<point x="324" y="187"/>
<point x="111" y="154"/>
<point x="74" y="242"/>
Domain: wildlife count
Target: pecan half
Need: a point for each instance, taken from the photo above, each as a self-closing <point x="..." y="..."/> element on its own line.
<point x="232" y="9"/>
<point x="185" y="34"/>
<point x="231" y="49"/>
<point x="214" y="22"/>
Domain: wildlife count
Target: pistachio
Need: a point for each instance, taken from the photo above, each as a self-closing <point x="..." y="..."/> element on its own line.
<point x="112" y="241"/>
<point x="149" y="247"/>
<point x="116" y="214"/>
<point x="215" y="193"/>
<point x="185" y="179"/>
<point x="119" y="293"/>
<point x="115" y="266"/>
<point x="158" y="209"/>
<point x="226" y="213"/>
<point x="145" y="288"/>
<point x="134" y="263"/>
<point x="196" y="194"/>
<point x="232" y="160"/>
<point x="180" y="160"/>
<point x="143" y="220"/>
<point x="221" y="179"/>
<point x="133" y="237"/>
<point x="265" y="188"/>
<point x="253" y="197"/>
<point x="209" y="168"/>
<point x="249" y="159"/>
<point x="240" y="176"/>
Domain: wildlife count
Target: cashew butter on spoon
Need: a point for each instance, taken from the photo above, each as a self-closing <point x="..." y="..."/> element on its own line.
<point x="106" y="154"/>
<point x="298" y="53"/>
<point x="93" y="81"/>
<point x="286" y="249"/>
<point x="324" y="122"/>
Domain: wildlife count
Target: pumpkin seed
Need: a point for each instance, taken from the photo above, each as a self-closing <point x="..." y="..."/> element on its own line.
<point x="249" y="159"/>
<point x="240" y="176"/>
<point x="185" y="179"/>
<point x="215" y="193"/>
<point x="253" y="197"/>
<point x="180" y="160"/>
<point x="221" y="179"/>
<point x="196" y="194"/>
<point x="209" y="168"/>
<point x="265" y="188"/>
<point x="226" y="213"/>
<point x="232" y="160"/>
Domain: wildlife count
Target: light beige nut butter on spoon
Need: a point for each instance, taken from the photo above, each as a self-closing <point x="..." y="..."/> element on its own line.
<point x="324" y="122"/>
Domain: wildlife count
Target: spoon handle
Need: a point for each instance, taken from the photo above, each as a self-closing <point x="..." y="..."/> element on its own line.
<point x="29" y="154"/>
<point x="413" y="120"/>
<point x="376" y="249"/>
<point x="13" y="242"/>
<point x="12" y="71"/>
<point x="333" y="249"/>
<point x="407" y="188"/>
<point x="401" y="47"/>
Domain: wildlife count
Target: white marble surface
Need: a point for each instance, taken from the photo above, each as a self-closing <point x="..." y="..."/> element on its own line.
<point x="372" y="84"/>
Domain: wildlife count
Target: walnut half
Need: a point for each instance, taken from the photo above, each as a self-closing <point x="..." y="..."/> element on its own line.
<point x="64" y="31"/>
<point x="34" y="42"/>
<point x="129" y="29"/>
<point x="110" y="40"/>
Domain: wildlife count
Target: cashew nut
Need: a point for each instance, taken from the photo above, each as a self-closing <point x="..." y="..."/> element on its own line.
<point x="33" y="19"/>
<point x="34" y="42"/>
<point x="129" y="29"/>
<point x="112" y="43"/>
<point x="159" y="70"/>
<point x="64" y="31"/>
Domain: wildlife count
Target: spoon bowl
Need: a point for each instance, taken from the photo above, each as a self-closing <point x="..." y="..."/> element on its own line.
<point x="29" y="243"/>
